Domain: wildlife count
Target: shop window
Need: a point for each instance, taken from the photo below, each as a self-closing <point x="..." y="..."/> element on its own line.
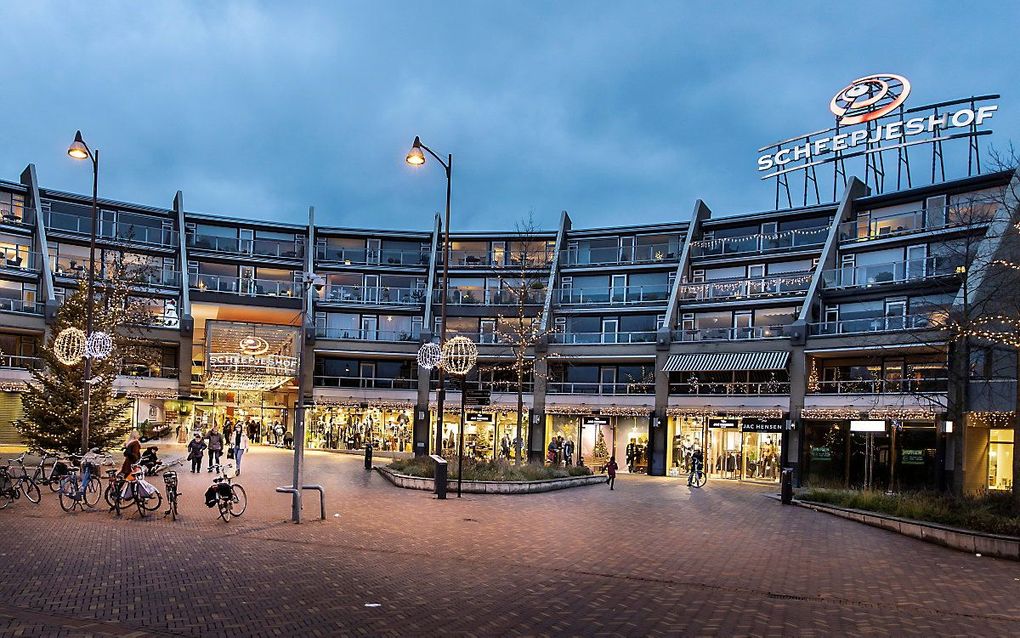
<point x="1000" y="460"/>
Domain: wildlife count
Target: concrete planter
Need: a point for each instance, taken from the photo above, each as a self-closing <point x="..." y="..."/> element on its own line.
<point x="491" y="487"/>
<point x="964" y="540"/>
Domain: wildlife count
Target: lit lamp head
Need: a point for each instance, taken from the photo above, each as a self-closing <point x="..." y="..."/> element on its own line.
<point x="415" y="157"/>
<point x="77" y="149"/>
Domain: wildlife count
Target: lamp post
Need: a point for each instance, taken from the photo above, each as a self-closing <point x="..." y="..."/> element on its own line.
<point x="79" y="150"/>
<point x="415" y="157"/>
<point x="307" y="281"/>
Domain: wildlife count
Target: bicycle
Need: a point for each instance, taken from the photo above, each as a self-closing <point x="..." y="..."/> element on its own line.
<point x="8" y="493"/>
<point x="133" y="488"/>
<point x="697" y="477"/>
<point x="80" y="487"/>
<point x="40" y="477"/>
<point x="170" y="481"/>
<point x="23" y="482"/>
<point x="231" y="499"/>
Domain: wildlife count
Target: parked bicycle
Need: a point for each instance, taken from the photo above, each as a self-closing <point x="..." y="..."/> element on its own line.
<point x="133" y="489"/>
<point x="22" y="481"/>
<point x="79" y="486"/>
<point x="8" y="493"/>
<point x="228" y="497"/>
<point x="41" y="476"/>
<point x="170" y="481"/>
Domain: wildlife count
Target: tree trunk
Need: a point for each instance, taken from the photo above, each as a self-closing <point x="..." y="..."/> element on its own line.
<point x="520" y="412"/>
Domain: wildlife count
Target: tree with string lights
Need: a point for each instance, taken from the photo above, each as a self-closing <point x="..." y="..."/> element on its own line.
<point x="53" y="401"/>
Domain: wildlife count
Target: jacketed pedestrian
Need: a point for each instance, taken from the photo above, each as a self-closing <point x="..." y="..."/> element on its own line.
<point x="239" y="443"/>
<point x="215" y="446"/>
<point x="195" y="449"/>
<point x="611" y="468"/>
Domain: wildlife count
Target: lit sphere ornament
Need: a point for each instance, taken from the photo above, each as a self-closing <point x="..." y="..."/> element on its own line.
<point x="69" y="346"/>
<point x="99" y="345"/>
<point x="430" y="355"/>
<point x="459" y="355"/>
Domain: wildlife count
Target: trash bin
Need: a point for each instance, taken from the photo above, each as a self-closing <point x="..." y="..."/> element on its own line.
<point x="786" y="485"/>
<point x="368" y="456"/>
<point x="441" y="475"/>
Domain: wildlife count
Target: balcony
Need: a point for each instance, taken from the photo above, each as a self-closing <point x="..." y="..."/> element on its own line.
<point x="143" y="371"/>
<point x="379" y="296"/>
<point x="496" y="259"/>
<point x="21" y="306"/>
<point x="480" y="297"/>
<point x="908" y="222"/>
<point x="890" y="273"/>
<point x="730" y="334"/>
<point x="650" y="254"/>
<point x="777" y="286"/>
<point x="13" y="211"/>
<point x="119" y="232"/>
<point x="76" y="267"/>
<point x="882" y="386"/>
<point x="586" y="338"/>
<point x="504" y="387"/>
<point x="759" y="243"/>
<point x="878" y="324"/>
<point x="20" y="258"/>
<point x="251" y="247"/>
<point x="613" y="296"/>
<point x="356" y="334"/>
<point x="16" y="362"/>
<point x="325" y="381"/>
<point x="361" y="257"/>
<point x="738" y="388"/>
<point x="237" y="286"/>
<point x="563" y="387"/>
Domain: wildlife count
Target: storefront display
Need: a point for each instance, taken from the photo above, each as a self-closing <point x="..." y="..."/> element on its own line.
<point x="489" y="433"/>
<point x="686" y="435"/>
<point x="1000" y="459"/>
<point x="387" y="429"/>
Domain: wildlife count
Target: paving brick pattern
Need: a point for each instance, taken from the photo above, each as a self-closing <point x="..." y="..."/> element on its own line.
<point x="651" y="557"/>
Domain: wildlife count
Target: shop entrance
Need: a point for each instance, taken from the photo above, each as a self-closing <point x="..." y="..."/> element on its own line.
<point x="263" y="415"/>
<point x="744" y="449"/>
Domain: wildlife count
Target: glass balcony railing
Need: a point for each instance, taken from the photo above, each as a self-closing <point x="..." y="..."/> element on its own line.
<point x="563" y="387"/>
<point x="75" y="267"/>
<point x="730" y="334"/>
<point x="481" y="297"/>
<point x="326" y="381"/>
<point x="384" y="296"/>
<point x="880" y="226"/>
<point x="19" y="258"/>
<point x="13" y="210"/>
<point x="360" y="257"/>
<point x="583" y="338"/>
<point x="889" y="273"/>
<point x="255" y="247"/>
<point x="17" y="362"/>
<point x="882" y="386"/>
<point x="616" y="296"/>
<point x="651" y="253"/>
<point x="148" y="372"/>
<point x="779" y="285"/>
<point x="508" y="387"/>
<point x="789" y="239"/>
<point x="238" y="286"/>
<point x="741" y="388"/>
<point x="894" y="323"/>
<point x="496" y="258"/>
<point x="20" y="306"/>
<point x="129" y="233"/>
<point x="366" y="334"/>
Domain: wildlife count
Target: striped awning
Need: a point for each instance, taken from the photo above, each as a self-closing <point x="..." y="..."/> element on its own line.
<point x="726" y="361"/>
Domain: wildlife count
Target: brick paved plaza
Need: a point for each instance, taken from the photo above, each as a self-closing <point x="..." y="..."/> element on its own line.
<point x="651" y="557"/>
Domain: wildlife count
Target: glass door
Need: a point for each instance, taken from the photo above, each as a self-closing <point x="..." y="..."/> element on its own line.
<point x="618" y="288"/>
<point x="487" y="331"/>
<point x="371" y="288"/>
<point x="246" y="240"/>
<point x="247" y="285"/>
<point x="369" y="327"/>
<point x="742" y="325"/>
<point x="373" y="251"/>
<point x="895" y="315"/>
<point x="916" y="262"/>
<point x="610" y="330"/>
<point x="607" y="381"/>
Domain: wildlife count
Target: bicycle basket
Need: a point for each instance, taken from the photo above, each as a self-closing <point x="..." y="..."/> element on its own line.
<point x="60" y="469"/>
<point x="170" y="479"/>
<point x="224" y="490"/>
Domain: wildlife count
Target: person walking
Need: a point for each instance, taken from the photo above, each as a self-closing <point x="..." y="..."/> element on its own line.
<point x="239" y="443"/>
<point x="568" y="452"/>
<point x="132" y="452"/>
<point x="195" y="449"/>
<point x="611" y="468"/>
<point x="215" y="447"/>
<point x="697" y="466"/>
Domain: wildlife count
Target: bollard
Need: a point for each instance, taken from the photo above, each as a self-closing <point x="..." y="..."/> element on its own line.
<point x="441" y="476"/>
<point x="786" y="486"/>
<point x="368" y="456"/>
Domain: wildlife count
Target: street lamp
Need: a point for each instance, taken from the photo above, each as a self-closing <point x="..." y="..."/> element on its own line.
<point x="415" y="157"/>
<point x="308" y="280"/>
<point x="79" y="150"/>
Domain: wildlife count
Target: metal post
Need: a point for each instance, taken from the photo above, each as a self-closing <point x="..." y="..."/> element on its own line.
<point x="299" y="414"/>
<point x="89" y="312"/>
<point x="460" y="436"/>
<point x="441" y="393"/>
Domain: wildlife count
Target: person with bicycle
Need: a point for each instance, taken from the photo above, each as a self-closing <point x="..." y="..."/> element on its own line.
<point x="132" y="452"/>
<point x="697" y="466"/>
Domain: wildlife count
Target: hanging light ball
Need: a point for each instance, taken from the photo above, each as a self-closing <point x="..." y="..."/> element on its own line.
<point x="459" y="355"/>
<point x="430" y="355"/>
<point x="99" y="345"/>
<point x="69" y="346"/>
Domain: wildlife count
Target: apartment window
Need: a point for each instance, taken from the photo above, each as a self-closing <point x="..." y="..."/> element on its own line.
<point x="698" y="276"/>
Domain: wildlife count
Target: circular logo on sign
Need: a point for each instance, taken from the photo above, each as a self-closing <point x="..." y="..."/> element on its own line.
<point x="869" y="98"/>
<point x="254" y="346"/>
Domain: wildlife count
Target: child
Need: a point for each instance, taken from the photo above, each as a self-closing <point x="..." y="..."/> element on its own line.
<point x="611" y="468"/>
<point x="195" y="449"/>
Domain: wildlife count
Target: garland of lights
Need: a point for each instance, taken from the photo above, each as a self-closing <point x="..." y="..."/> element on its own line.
<point x="99" y="345"/>
<point x="738" y="287"/>
<point x="994" y="419"/>
<point x="689" y="412"/>
<point x="714" y="243"/>
<point x="812" y="380"/>
<point x="69" y="346"/>
<point x="430" y="355"/>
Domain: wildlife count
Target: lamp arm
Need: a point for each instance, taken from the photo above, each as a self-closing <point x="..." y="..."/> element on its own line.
<point x="433" y="154"/>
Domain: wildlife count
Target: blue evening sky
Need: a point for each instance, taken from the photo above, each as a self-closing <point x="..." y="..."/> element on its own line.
<point x="618" y="112"/>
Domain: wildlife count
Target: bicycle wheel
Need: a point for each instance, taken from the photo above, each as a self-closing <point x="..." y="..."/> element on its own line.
<point x="700" y="479"/>
<point x="93" y="492"/>
<point x="238" y="501"/>
<point x="152" y="503"/>
<point x="53" y="483"/>
<point x="224" y="509"/>
<point x="31" y="490"/>
<point x="6" y="491"/>
<point x="68" y="493"/>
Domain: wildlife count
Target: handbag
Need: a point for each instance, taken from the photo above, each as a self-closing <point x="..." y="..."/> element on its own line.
<point x="230" y="453"/>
